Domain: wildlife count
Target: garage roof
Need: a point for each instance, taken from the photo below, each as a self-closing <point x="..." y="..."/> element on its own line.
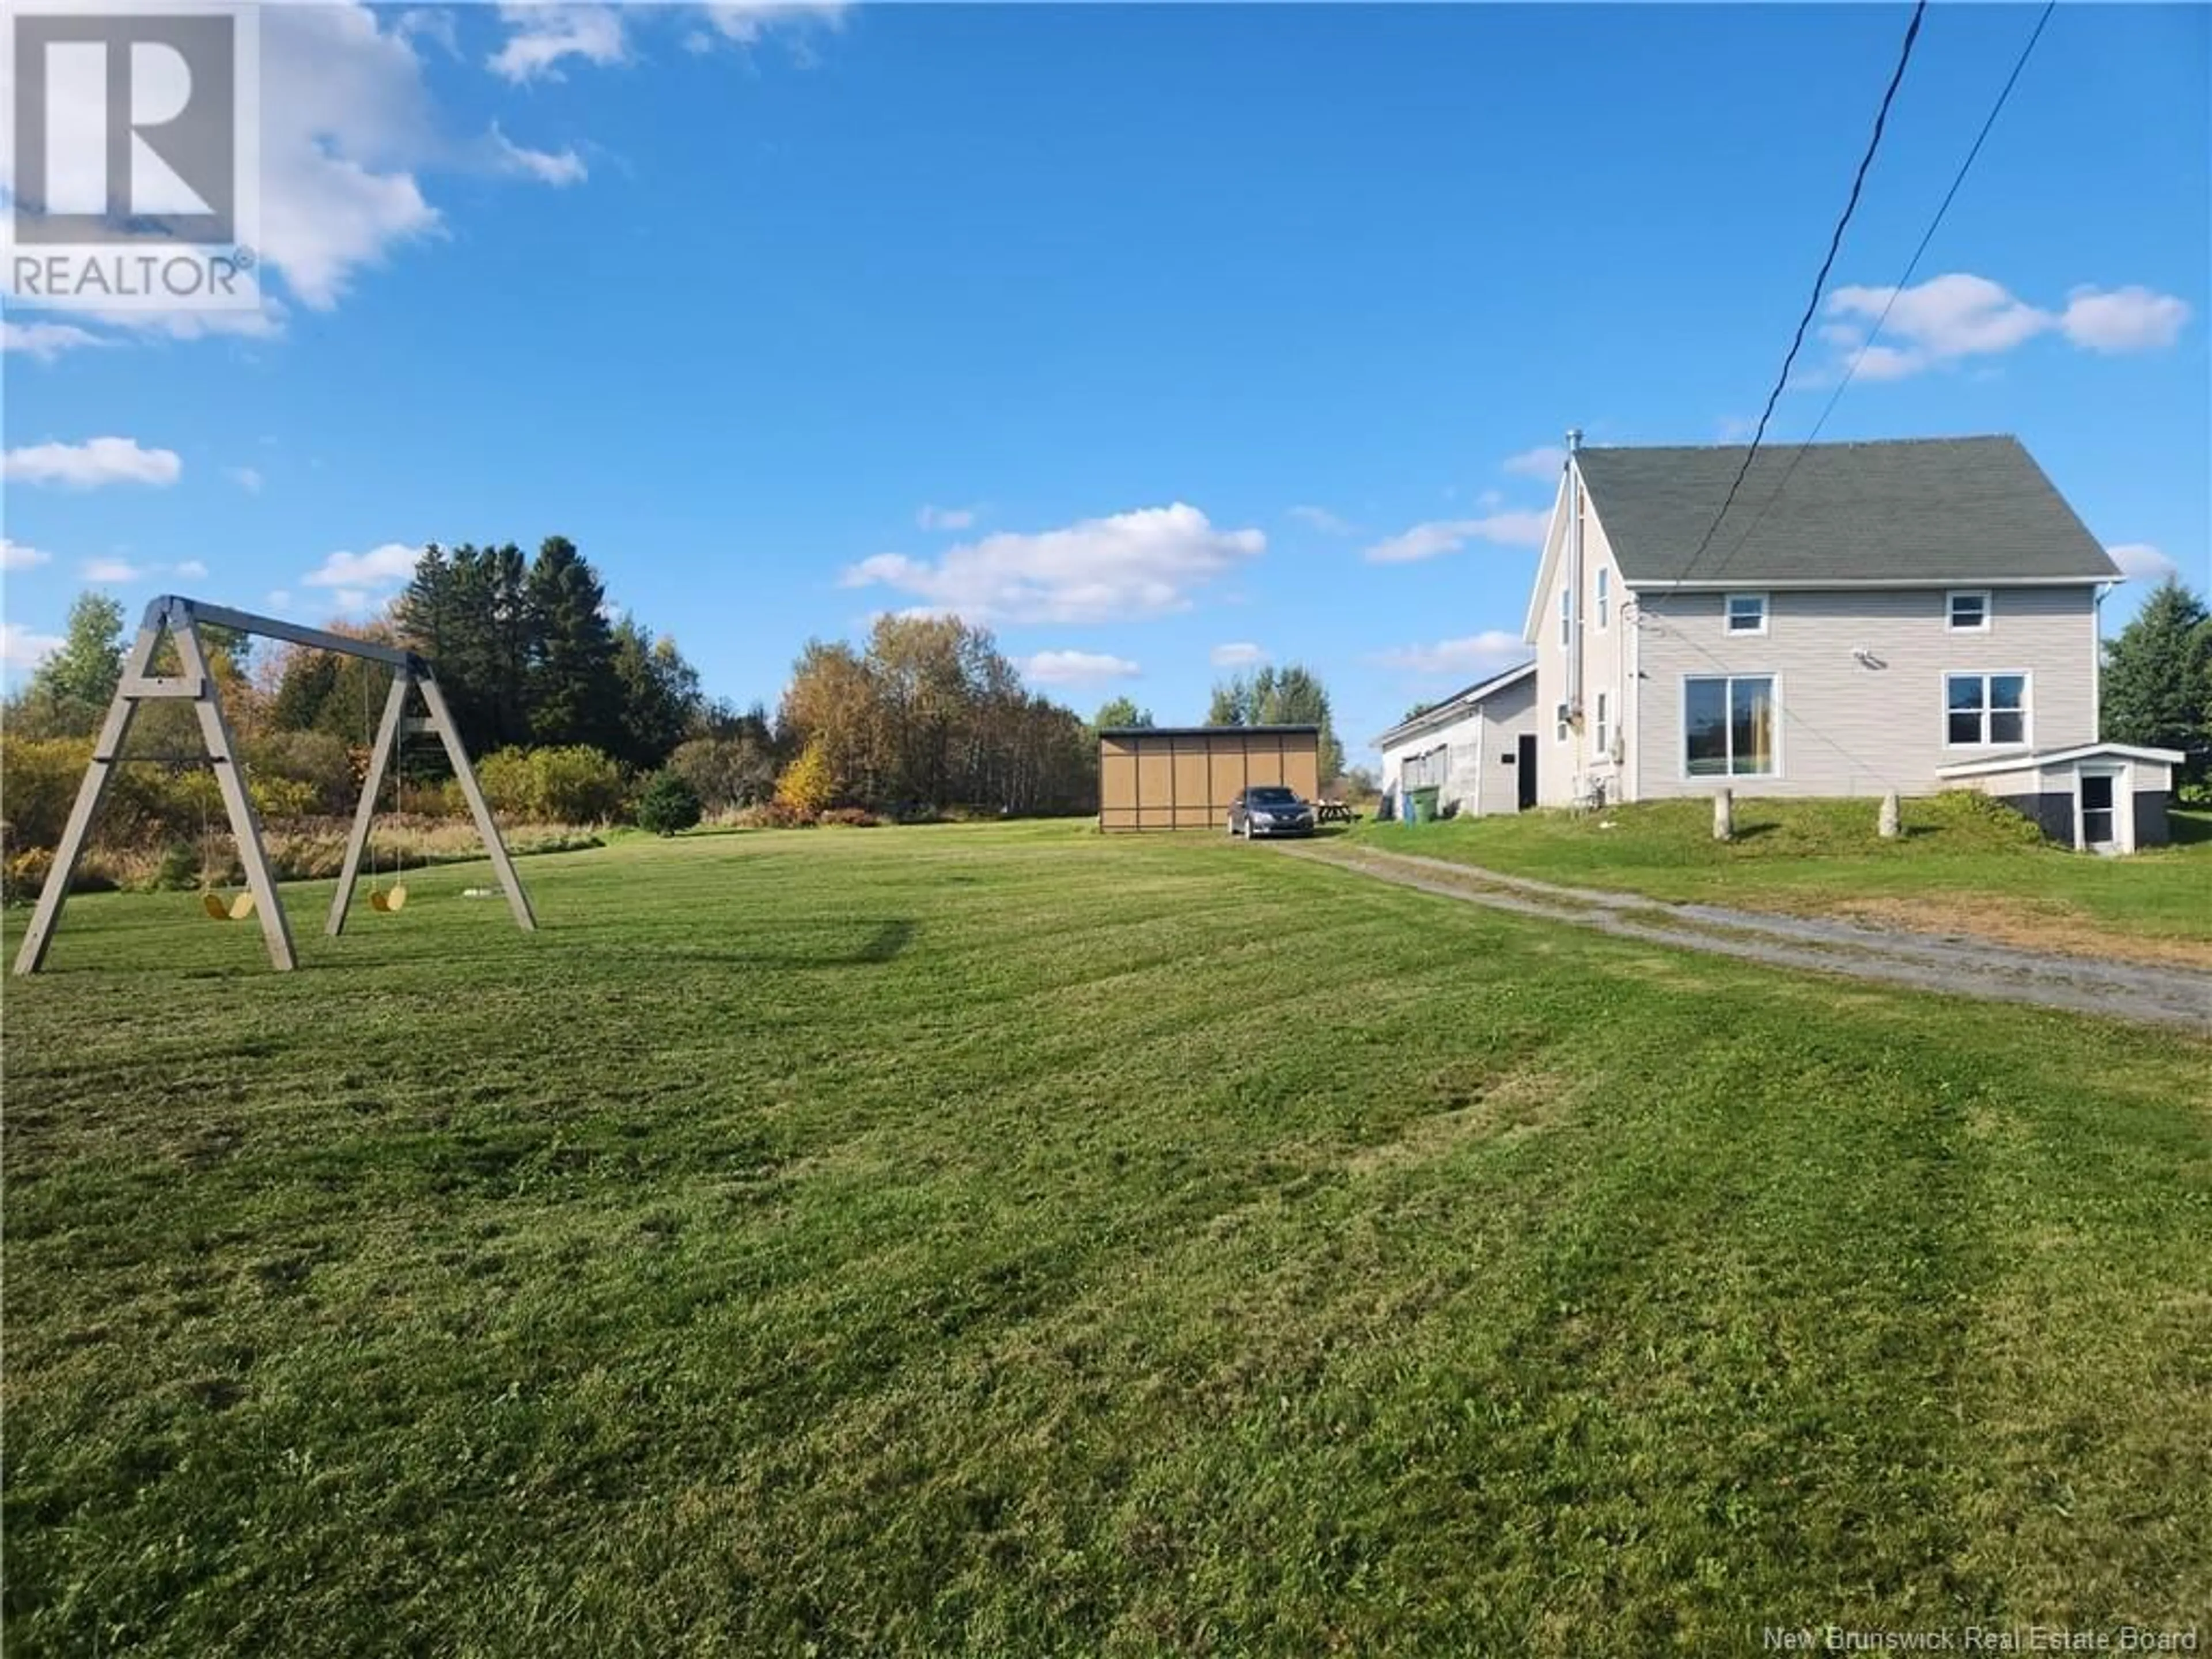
<point x="1208" y="730"/>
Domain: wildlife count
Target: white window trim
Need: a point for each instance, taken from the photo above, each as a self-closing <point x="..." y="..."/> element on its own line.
<point x="2124" y="808"/>
<point x="1727" y="621"/>
<point x="1603" y="732"/>
<point x="1563" y="723"/>
<point x="1566" y="618"/>
<point x="2026" y="678"/>
<point x="1708" y="780"/>
<point x="1989" y="610"/>
<point x="1604" y="584"/>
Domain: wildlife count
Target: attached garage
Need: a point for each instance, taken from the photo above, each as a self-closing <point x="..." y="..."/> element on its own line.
<point x="1183" y="777"/>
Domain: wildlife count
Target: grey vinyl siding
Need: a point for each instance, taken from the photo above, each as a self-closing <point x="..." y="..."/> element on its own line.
<point x="1505" y="716"/>
<point x="1848" y="729"/>
<point x="2051" y="813"/>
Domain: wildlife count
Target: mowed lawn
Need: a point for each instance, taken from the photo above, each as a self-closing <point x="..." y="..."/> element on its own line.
<point x="1963" y="865"/>
<point x="1010" y="1241"/>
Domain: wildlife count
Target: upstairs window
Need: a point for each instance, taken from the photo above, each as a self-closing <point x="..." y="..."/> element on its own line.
<point x="1746" y="613"/>
<point x="1604" y="595"/>
<point x="1969" y="611"/>
<point x="1566" y="616"/>
<point x="1979" y="709"/>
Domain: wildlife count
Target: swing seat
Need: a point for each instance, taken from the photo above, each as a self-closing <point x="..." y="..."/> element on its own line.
<point x="397" y="898"/>
<point x="377" y="901"/>
<point x="240" y="907"/>
<point x="213" y="904"/>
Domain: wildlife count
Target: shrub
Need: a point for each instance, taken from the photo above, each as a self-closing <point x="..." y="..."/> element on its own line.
<point x="283" y="798"/>
<point x="22" y="874"/>
<point x="852" y="817"/>
<point x="726" y="772"/>
<point x="771" y="815"/>
<point x="807" y="784"/>
<point x="317" y="759"/>
<point x="181" y="867"/>
<point x="667" y="804"/>
<point x="577" y="785"/>
<point x="38" y="778"/>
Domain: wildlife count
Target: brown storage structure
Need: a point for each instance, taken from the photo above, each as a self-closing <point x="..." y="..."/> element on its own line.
<point x="1181" y="777"/>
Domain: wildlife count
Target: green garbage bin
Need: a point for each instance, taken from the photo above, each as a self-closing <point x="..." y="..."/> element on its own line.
<point x="1425" y="803"/>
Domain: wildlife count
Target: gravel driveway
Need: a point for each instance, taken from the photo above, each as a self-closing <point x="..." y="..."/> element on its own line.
<point x="2162" y="996"/>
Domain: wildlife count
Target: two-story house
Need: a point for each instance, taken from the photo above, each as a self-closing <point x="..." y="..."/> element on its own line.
<point x="1909" y="616"/>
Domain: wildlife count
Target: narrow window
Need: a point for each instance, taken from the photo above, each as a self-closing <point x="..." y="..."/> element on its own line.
<point x="1604" y="596"/>
<point x="1730" y="727"/>
<point x="1746" y="613"/>
<point x="1969" y="611"/>
<point x="1559" y="730"/>
<point x="1566" y="616"/>
<point x="1604" y="727"/>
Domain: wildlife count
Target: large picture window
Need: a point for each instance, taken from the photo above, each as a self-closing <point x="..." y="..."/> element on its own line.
<point x="1985" y="708"/>
<point x="1730" y="727"/>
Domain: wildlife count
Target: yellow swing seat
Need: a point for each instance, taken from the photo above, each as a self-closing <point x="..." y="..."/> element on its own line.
<point x="389" y="900"/>
<point x="213" y="904"/>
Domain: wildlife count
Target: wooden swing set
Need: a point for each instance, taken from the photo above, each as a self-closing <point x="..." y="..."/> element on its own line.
<point x="178" y="618"/>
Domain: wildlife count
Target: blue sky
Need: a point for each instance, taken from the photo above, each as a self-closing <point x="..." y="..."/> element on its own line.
<point x="1153" y="337"/>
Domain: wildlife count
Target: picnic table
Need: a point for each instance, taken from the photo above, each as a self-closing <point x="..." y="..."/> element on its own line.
<point x="1334" y="812"/>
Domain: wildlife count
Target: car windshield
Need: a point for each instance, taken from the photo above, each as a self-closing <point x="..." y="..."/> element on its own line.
<point x="1273" y="798"/>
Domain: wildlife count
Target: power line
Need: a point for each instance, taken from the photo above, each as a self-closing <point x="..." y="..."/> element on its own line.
<point x="1910" y="266"/>
<point x="1821" y="281"/>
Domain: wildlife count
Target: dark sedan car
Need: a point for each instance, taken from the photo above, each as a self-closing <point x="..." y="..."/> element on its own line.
<point x="1270" y="809"/>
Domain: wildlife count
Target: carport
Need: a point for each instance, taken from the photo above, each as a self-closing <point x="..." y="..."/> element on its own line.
<point x="1183" y="777"/>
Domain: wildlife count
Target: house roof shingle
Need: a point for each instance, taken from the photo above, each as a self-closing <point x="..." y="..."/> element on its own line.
<point x="1921" y="510"/>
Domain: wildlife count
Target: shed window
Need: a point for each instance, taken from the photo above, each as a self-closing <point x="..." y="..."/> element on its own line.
<point x="1985" y="708"/>
<point x="1746" y="613"/>
<point x="1969" y="611"/>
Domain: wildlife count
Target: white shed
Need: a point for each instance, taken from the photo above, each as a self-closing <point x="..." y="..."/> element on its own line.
<point x="2094" y="797"/>
<point x="1478" y="746"/>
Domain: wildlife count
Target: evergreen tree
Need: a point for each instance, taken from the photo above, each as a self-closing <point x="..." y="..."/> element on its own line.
<point x="659" y="695"/>
<point x="2157" y="682"/>
<point x="574" y="695"/>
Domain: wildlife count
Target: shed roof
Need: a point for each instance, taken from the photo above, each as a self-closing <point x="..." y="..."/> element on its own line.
<point x="1926" y="510"/>
<point x="1454" y="707"/>
<point x="1208" y="730"/>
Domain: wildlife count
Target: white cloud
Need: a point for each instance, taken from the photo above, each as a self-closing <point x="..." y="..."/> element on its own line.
<point x="1516" y="528"/>
<point x="1542" y="462"/>
<point x="247" y="478"/>
<point x="111" y="570"/>
<point x="565" y="168"/>
<point x="947" y="518"/>
<point x="15" y="556"/>
<point x="1491" y="651"/>
<point x="1077" y="668"/>
<point x="430" y="23"/>
<point x="278" y="600"/>
<point x="21" y="648"/>
<point x="191" y="568"/>
<point x="543" y="35"/>
<point x="1240" y="655"/>
<point x="2139" y="562"/>
<point x="745" y="21"/>
<point x="2131" y="319"/>
<point x="1143" y="563"/>
<point x="1321" y="518"/>
<point x="48" y="341"/>
<point x="89" y="465"/>
<point x="1735" y="428"/>
<point x="1950" y="318"/>
<point x="358" y="577"/>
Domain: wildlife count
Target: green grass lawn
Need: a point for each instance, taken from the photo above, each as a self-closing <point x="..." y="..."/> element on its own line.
<point x="1962" y="863"/>
<point x="1012" y="1240"/>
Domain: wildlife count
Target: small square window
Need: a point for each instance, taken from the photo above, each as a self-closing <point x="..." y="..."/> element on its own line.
<point x="1969" y="612"/>
<point x="1746" y="613"/>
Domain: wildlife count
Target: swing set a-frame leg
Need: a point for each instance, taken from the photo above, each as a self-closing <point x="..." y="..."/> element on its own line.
<point x="364" y="814"/>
